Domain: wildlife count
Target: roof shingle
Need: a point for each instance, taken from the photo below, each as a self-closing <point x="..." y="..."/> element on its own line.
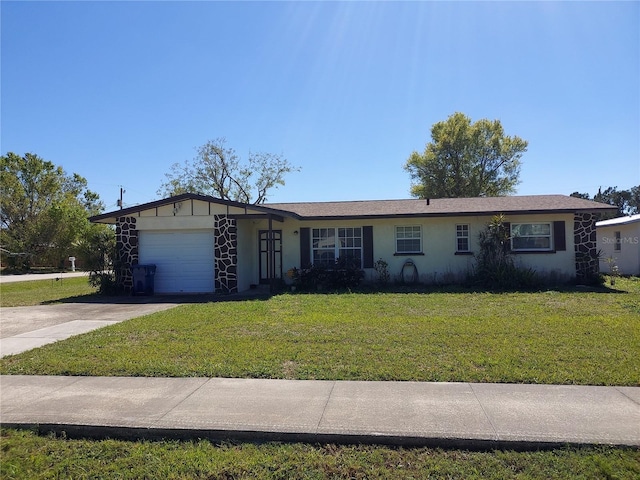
<point x="440" y="206"/>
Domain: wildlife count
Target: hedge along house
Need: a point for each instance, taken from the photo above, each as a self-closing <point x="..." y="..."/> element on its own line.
<point x="202" y="244"/>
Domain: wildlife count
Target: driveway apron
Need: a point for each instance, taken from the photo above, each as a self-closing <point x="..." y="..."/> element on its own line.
<point x="24" y="328"/>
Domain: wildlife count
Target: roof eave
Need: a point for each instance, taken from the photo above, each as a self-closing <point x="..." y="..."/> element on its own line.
<point x="111" y="217"/>
<point x="452" y="214"/>
<point x="619" y="221"/>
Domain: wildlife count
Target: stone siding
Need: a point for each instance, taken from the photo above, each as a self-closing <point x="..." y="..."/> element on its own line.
<point x="226" y="254"/>
<point x="127" y="247"/>
<point x="586" y="246"/>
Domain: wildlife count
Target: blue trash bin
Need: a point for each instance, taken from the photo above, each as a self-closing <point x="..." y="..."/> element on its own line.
<point x="143" y="279"/>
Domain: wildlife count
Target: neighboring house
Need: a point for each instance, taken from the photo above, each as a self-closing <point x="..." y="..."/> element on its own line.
<point x="619" y="243"/>
<point x="204" y="244"/>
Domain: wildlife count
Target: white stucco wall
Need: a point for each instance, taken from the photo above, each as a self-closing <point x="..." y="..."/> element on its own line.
<point x="628" y="257"/>
<point x="439" y="262"/>
<point x="192" y="208"/>
<point x="174" y="223"/>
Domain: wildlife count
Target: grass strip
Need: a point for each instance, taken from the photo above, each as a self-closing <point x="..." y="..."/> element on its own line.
<point x="27" y="455"/>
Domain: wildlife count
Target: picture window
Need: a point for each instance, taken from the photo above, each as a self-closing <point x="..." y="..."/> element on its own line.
<point x="531" y="236"/>
<point x="329" y="244"/>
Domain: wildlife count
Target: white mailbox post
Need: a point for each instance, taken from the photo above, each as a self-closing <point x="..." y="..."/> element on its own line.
<point x="73" y="263"/>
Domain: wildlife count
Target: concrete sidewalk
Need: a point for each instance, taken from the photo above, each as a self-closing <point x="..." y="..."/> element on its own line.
<point x="398" y="413"/>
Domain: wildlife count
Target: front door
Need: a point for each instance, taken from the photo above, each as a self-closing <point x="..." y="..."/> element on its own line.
<point x="270" y="264"/>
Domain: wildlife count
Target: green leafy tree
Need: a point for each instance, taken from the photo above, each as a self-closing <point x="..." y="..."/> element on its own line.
<point x="217" y="170"/>
<point x="627" y="201"/>
<point x="584" y="196"/>
<point x="466" y="159"/>
<point x="634" y="203"/>
<point x="43" y="211"/>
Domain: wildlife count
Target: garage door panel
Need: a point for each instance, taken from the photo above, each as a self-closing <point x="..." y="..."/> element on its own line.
<point x="184" y="260"/>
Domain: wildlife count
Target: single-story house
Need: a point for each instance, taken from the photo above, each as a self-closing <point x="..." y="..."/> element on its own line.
<point x="204" y="244"/>
<point x="619" y="243"/>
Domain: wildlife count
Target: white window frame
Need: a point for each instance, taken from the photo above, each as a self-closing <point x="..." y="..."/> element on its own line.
<point x="532" y="236"/>
<point x="463" y="234"/>
<point x="617" y="245"/>
<point x="403" y="237"/>
<point x="345" y="239"/>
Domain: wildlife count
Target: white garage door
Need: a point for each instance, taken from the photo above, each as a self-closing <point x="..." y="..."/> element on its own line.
<point x="184" y="260"/>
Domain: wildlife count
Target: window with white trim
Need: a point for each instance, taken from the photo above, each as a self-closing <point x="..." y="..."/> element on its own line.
<point x="330" y="244"/>
<point x="617" y="246"/>
<point x="408" y="239"/>
<point x="531" y="236"/>
<point x="462" y="238"/>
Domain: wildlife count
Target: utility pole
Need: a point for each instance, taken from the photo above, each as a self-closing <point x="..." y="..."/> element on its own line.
<point x="122" y="191"/>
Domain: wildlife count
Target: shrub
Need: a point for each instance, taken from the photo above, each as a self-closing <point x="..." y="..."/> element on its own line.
<point x="344" y="274"/>
<point x="382" y="269"/>
<point x="614" y="270"/>
<point x="105" y="282"/>
<point x="495" y="268"/>
<point x="98" y="250"/>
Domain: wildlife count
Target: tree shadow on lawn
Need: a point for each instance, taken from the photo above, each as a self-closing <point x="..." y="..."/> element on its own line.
<point x="262" y="295"/>
<point x="164" y="298"/>
<point x="87" y="298"/>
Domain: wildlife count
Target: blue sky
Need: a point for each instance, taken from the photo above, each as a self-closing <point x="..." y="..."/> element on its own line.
<point x="119" y="91"/>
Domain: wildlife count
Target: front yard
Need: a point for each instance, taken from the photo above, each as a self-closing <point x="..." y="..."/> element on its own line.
<point x="574" y="337"/>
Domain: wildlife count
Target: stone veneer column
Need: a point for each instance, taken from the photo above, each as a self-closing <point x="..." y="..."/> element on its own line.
<point x="586" y="247"/>
<point x="127" y="248"/>
<point x="226" y="254"/>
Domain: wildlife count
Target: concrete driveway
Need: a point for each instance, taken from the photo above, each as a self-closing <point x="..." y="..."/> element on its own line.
<point x="24" y="328"/>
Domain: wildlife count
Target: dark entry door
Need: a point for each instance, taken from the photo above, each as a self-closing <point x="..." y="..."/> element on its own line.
<point x="270" y="265"/>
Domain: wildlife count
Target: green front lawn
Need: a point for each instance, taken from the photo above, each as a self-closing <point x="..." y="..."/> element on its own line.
<point x="577" y="337"/>
<point x="39" y="292"/>
<point x="28" y="456"/>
